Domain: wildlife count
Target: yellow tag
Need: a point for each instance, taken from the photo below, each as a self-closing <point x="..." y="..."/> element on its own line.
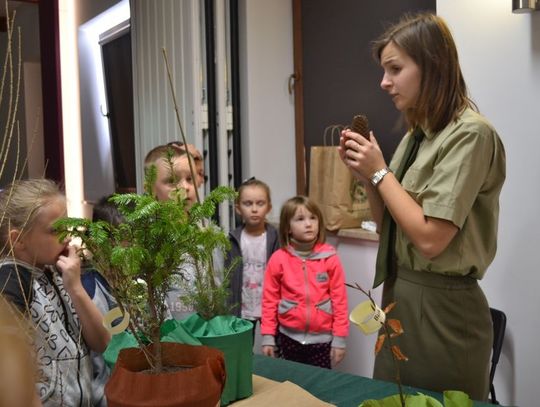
<point x="368" y="317"/>
<point x="113" y="315"/>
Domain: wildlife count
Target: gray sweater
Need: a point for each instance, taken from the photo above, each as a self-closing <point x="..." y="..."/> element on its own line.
<point x="237" y="274"/>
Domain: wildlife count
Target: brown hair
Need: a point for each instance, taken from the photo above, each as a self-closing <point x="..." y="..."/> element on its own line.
<point x="190" y="148"/>
<point x="287" y="213"/>
<point x="21" y="203"/>
<point x="177" y="149"/>
<point x="160" y="152"/>
<point x="107" y="211"/>
<point x="253" y="182"/>
<point x="426" y="38"/>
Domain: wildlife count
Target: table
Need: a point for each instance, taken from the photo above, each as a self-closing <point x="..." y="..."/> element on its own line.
<point x="341" y="389"/>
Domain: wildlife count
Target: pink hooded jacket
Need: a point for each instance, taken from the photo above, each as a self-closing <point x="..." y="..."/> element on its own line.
<point x="305" y="297"/>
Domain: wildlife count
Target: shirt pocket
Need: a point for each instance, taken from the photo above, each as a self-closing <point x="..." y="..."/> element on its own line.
<point x="325" y="306"/>
<point x="415" y="181"/>
<point x="286" y="305"/>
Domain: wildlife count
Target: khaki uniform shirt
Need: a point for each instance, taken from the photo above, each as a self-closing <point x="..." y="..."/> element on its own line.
<point x="457" y="175"/>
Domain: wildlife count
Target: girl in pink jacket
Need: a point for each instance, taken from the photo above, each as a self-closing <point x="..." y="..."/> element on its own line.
<point x="304" y="306"/>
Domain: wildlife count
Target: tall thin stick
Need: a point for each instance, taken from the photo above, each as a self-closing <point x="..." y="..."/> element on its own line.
<point x="171" y="85"/>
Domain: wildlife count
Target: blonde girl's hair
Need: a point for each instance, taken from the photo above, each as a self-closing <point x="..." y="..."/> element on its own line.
<point x="253" y="182"/>
<point x="18" y="370"/>
<point x="20" y="205"/>
<point x="287" y="213"/>
<point x="427" y="39"/>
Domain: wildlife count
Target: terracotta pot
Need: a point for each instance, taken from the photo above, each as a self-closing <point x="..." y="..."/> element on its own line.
<point x="199" y="386"/>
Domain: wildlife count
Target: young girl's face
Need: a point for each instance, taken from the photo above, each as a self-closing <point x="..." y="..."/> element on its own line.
<point x="167" y="182"/>
<point x="253" y="206"/>
<point x="304" y="225"/>
<point x="39" y="246"/>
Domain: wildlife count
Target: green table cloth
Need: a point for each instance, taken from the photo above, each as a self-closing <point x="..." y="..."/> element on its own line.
<point x="341" y="389"/>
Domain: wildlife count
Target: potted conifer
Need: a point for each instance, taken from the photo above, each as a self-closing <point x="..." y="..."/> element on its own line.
<point x="140" y="259"/>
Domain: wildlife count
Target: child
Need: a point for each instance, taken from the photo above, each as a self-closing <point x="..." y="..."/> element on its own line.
<point x="304" y="306"/>
<point x="253" y="242"/>
<point x="197" y="158"/>
<point x="41" y="276"/>
<point x="167" y="180"/>
<point x="98" y="289"/>
<point x="93" y="282"/>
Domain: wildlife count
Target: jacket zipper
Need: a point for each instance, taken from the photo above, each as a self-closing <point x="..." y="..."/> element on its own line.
<point x="308" y="300"/>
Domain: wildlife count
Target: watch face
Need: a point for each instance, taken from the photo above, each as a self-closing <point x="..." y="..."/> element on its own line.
<point x="378" y="176"/>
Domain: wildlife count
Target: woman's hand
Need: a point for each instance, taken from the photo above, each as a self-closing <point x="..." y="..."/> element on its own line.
<point x="69" y="265"/>
<point x="363" y="157"/>
<point x="336" y="355"/>
<point x="268" y="350"/>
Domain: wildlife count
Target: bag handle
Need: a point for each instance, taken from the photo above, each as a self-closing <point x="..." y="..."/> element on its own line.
<point x="332" y="131"/>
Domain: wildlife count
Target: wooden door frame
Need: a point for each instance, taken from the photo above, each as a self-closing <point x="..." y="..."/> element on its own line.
<point x="301" y="187"/>
<point x="49" y="37"/>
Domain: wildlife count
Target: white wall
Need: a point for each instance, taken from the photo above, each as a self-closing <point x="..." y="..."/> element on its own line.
<point x="500" y="57"/>
<point x="358" y="259"/>
<point x="268" y="138"/>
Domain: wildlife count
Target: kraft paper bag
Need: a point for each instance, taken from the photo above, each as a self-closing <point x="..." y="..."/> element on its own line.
<point x="268" y="393"/>
<point x="342" y="199"/>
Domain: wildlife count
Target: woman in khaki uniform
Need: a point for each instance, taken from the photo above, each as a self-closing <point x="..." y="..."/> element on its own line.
<point x="439" y="214"/>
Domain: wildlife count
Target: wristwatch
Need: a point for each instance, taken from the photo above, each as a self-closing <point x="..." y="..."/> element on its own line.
<point x="378" y="176"/>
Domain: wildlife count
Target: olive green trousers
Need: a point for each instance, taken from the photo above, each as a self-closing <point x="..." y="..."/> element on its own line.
<point x="448" y="333"/>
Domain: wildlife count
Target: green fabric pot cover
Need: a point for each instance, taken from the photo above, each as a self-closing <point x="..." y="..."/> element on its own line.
<point x="451" y="399"/>
<point x="233" y="336"/>
<point x="171" y="331"/>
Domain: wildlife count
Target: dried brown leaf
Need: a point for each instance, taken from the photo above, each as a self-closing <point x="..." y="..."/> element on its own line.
<point x="379" y="344"/>
<point x="389" y="307"/>
<point x="398" y="354"/>
<point x="395" y="325"/>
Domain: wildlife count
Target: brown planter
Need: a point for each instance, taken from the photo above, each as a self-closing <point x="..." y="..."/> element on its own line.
<point x="199" y="386"/>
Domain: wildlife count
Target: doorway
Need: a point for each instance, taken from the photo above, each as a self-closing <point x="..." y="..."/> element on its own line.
<point x="117" y="71"/>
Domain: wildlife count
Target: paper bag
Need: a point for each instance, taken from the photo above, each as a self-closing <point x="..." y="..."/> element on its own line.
<point x="342" y="199"/>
